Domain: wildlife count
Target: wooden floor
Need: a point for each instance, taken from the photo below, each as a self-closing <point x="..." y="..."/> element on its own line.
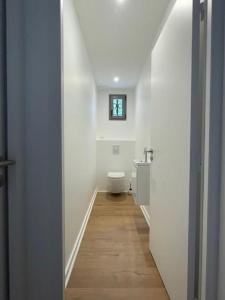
<point x="114" y="262"/>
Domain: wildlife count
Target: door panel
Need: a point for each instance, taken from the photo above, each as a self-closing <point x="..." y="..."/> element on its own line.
<point x="3" y="202"/>
<point x="170" y="138"/>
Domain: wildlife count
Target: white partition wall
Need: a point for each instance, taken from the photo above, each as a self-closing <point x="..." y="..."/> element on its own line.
<point x="170" y="109"/>
<point x="142" y="114"/>
<point x="79" y="122"/>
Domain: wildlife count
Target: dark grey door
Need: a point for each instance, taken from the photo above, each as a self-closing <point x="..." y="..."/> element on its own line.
<point x="4" y="290"/>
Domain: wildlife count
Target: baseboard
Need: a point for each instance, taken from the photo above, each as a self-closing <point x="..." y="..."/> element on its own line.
<point x="146" y="214"/>
<point x="71" y="262"/>
<point x="102" y="191"/>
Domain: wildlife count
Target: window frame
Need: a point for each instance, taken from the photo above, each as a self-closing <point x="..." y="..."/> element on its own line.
<point x="111" y="98"/>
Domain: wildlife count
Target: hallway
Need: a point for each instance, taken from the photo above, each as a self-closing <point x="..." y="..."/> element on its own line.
<point x="114" y="262"/>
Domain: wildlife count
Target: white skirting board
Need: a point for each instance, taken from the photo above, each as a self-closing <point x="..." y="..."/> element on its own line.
<point x="99" y="191"/>
<point x="77" y="243"/>
<point x="146" y="214"/>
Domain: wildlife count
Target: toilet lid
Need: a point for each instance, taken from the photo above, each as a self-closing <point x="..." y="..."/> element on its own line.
<point x="116" y="174"/>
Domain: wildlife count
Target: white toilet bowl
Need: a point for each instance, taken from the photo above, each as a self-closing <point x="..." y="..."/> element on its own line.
<point x="116" y="182"/>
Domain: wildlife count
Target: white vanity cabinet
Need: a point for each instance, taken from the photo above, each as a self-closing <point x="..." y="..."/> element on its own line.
<point x="141" y="182"/>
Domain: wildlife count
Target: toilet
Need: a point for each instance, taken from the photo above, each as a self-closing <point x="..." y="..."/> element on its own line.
<point x="116" y="182"/>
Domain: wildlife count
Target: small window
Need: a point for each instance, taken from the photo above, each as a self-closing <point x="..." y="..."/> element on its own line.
<point x="117" y="107"/>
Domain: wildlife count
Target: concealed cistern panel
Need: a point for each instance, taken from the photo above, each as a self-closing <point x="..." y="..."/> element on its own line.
<point x="116" y="149"/>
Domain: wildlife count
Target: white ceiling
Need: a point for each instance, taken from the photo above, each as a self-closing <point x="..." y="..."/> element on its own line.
<point x="119" y="35"/>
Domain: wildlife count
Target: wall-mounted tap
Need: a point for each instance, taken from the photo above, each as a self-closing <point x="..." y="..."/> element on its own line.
<point x="146" y="151"/>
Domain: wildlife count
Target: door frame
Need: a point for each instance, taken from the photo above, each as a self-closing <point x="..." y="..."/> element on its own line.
<point x="221" y="273"/>
<point x="214" y="159"/>
<point x="196" y="156"/>
<point x="3" y="116"/>
<point x="212" y="191"/>
<point x="215" y="147"/>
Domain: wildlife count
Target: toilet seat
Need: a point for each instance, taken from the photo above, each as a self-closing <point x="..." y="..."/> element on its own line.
<point x="116" y="175"/>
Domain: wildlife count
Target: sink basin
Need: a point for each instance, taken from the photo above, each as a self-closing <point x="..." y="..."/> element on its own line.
<point x="138" y="163"/>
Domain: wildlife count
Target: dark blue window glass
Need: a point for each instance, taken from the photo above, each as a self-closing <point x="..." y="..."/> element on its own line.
<point x="117" y="106"/>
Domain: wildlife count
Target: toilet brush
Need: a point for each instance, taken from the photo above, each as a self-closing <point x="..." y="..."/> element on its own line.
<point x="130" y="189"/>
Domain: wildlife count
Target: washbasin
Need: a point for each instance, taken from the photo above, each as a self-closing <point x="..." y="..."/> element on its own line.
<point x="141" y="163"/>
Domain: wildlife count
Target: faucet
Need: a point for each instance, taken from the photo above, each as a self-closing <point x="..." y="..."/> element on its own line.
<point x="146" y="151"/>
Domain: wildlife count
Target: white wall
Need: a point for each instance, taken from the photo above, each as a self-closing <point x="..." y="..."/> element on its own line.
<point x="111" y="133"/>
<point x="79" y="127"/>
<point x="162" y="118"/>
<point x="108" y="162"/>
<point x="143" y="110"/>
<point x="170" y="138"/>
<point x="108" y="129"/>
<point x="142" y="113"/>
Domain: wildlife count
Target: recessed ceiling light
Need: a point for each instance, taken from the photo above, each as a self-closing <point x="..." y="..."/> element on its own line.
<point x="121" y="1"/>
<point x="116" y="79"/>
